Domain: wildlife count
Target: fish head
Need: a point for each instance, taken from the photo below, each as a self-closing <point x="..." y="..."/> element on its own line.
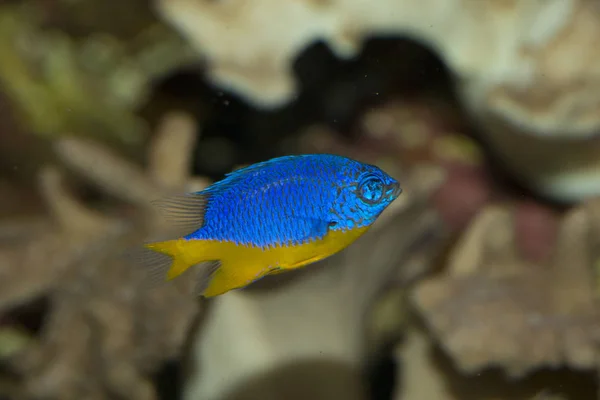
<point x="366" y="192"/>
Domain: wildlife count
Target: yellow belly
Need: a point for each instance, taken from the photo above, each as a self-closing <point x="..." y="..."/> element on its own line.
<point x="291" y="257"/>
<point x="242" y="265"/>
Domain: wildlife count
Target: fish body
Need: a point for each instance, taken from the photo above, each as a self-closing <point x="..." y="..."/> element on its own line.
<point x="271" y="217"/>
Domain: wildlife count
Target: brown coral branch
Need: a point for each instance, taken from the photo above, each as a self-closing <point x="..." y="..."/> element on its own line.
<point x="105" y="169"/>
<point x="43" y="259"/>
<point x="105" y="331"/>
<point x="68" y="212"/>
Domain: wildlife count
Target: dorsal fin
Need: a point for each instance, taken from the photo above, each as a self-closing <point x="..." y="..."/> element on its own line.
<point x="184" y="211"/>
<point x="277" y="160"/>
<point x="240" y="174"/>
<point x="260" y="165"/>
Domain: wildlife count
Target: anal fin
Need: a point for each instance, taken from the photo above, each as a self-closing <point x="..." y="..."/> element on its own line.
<point x="204" y="273"/>
<point x="230" y="276"/>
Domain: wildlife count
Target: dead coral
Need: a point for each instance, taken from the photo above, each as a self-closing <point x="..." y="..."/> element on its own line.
<point x="495" y="307"/>
<point x="509" y="56"/>
<point x="105" y="332"/>
<point x="512" y="75"/>
<point x="427" y="374"/>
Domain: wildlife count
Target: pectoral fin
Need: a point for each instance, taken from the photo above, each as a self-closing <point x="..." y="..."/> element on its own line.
<point x="310" y="229"/>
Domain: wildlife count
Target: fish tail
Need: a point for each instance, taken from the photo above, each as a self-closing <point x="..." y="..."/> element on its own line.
<point x="174" y="264"/>
<point x="166" y="260"/>
<point x="215" y="269"/>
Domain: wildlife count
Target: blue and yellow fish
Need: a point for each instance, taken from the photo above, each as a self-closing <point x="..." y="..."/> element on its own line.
<point x="271" y="217"/>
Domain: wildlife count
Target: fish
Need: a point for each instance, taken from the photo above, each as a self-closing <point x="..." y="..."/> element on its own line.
<point x="267" y="218"/>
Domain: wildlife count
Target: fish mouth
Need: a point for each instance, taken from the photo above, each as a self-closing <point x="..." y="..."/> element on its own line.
<point x="396" y="189"/>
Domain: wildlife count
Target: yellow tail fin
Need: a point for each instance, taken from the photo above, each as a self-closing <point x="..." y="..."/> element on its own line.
<point x="178" y="260"/>
<point x="164" y="261"/>
<point x="213" y="275"/>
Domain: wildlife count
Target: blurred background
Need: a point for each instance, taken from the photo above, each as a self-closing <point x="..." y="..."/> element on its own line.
<point x="480" y="283"/>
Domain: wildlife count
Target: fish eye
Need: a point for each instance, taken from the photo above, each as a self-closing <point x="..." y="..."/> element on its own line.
<point x="371" y="190"/>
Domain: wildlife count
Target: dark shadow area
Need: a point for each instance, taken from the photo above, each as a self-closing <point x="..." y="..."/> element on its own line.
<point x="302" y="380"/>
<point x="168" y="381"/>
<point x="493" y="382"/>
<point x="30" y="316"/>
<point x="332" y="92"/>
<point x="381" y="373"/>
<point x="569" y="384"/>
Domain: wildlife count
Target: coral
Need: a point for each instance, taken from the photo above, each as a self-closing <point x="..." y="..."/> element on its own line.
<point x="497" y="305"/>
<point x="426" y="374"/>
<point x="526" y="71"/>
<point x="69" y="78"/>
<point x="518" y="290"/>
<point x="105" y="331"/>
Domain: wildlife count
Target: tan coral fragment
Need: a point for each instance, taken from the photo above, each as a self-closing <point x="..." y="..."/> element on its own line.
<point x="493" y="308"/>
